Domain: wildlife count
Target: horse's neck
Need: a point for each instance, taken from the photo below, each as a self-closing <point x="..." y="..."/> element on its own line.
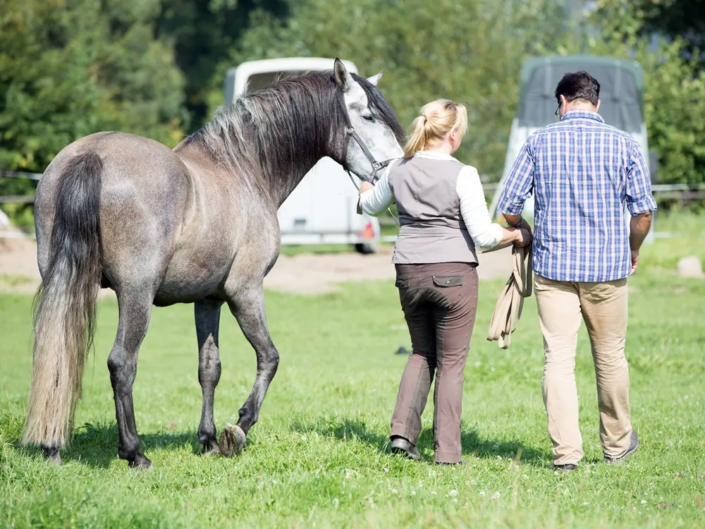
<point x="284" y="186"/>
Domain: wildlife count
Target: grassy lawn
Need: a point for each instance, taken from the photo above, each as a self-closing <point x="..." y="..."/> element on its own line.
<point x="318" y="456"/>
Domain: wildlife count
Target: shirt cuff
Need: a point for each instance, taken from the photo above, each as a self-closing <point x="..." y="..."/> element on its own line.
<point x="512" y="208"/>
<point x="643" y="205"/>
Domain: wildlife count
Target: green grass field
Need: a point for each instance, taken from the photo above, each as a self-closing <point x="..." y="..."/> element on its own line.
<point x="319" y="455"/>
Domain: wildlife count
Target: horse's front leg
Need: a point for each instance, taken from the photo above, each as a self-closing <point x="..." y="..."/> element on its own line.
<point x="207" y="314"/>
<point x="248" y="307"/>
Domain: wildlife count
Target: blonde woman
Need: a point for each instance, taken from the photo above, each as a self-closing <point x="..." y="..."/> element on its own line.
<point x="444" y="218"/>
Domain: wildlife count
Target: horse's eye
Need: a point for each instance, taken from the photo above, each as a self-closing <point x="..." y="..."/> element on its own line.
<point x="368" y="117"/>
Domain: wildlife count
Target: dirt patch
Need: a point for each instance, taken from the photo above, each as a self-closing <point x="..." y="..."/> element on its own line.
<point x="315" y="274"/>
<point x="18" y="265"/>
<point x="308" y="274"/>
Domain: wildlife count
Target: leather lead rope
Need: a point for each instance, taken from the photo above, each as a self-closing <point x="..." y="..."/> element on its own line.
<point x="507" y="311"/>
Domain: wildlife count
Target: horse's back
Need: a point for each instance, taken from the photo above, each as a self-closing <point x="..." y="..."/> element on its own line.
<point x="144" y="190"/>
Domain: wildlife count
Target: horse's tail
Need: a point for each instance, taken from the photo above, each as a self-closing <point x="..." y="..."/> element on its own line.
<point x="65" y="305"/>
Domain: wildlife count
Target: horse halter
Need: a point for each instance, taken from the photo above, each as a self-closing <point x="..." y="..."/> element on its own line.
<point x="376" y="166"/>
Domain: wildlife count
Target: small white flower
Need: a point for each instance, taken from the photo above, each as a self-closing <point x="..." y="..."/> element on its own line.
<point x="453" y="493"/>
<point x="585" y="504"/>
<point x="413" y="493"/>
<point x="386" y="470"/>
<point x="496" y="496"/>
<point x="495" y="446"/>
<point x="274" y="482"/>
<point x="335" y="501"/>
<point x="643" y="502"/>
<point x="395" y="491"/>
<point x="433" y="492"/>
<point x="482" y="493"/>
<point x="455" y="500"/>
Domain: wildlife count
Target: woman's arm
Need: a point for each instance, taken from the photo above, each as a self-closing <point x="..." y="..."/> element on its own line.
<point x="374" y="199"/>
<point x="485" y="234"/>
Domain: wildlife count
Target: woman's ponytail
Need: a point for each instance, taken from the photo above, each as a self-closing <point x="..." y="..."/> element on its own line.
<point x="417" y="138"/>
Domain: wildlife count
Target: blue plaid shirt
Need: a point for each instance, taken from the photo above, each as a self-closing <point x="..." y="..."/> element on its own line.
<point x="581" y="172"/>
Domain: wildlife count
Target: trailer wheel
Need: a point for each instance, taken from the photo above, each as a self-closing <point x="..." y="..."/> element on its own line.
<point x="365" y="249"/>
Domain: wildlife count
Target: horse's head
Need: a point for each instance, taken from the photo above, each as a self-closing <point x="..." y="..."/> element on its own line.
<point x="373" y="132"/>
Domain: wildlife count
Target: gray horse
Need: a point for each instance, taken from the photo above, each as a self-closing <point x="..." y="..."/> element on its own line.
<point x="196" y="224"/>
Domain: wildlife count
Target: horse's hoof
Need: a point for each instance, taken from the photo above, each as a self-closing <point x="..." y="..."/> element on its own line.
<point x="52" y="455"/>
<point x="232" y="440"/>
<point x="140" y="461"/>
<point x="211" y="448"/>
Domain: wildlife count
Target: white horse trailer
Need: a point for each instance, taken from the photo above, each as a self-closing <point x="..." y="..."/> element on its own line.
<point x="322" y="209"/>
<point x="621" y="93"/>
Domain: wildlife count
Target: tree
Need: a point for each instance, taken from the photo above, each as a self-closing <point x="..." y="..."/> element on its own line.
<point x="203" y="34"/>
<point x="69" y="68"/>
<point x="676" y="19"/>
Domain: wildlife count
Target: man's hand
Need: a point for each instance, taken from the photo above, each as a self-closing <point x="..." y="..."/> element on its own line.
<point x="365" y="186"/>
<point x="638" y="229"/>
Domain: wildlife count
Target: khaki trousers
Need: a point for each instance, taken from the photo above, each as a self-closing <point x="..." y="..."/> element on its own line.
<point x="603" y="306"/>
<point x="439" y="303"/>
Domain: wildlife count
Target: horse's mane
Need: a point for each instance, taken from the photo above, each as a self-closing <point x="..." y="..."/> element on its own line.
<point x="273" y="133"/>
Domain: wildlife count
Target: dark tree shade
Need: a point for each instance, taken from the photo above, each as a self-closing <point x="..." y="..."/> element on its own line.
<point x="677" y="18"/>
<point x="204" y="33"/>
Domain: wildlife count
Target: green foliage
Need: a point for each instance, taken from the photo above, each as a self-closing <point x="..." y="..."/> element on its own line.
<point x="69" y="68"/>
<point x="203" y="34"/>
<point x="683" y="19"/>
<point x="467" y="50"/>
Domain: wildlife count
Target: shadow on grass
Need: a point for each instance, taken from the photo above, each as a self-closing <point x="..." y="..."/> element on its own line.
<point x="97" y="445"/>
<point x="472" y="443"/>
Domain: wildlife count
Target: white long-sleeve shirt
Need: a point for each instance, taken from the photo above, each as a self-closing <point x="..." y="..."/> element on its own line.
<point x="473" y="206"/>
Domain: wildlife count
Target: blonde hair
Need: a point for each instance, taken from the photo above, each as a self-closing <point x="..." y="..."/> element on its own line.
<point x="437" y="119"/>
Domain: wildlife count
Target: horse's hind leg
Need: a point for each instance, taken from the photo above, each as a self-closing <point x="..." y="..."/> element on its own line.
<point x="135" y="311"/>
<point x="207" y="324"/>
<point x="248" y="308"/>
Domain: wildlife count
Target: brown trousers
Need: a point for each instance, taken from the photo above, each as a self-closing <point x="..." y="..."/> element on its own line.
<point x="439" y="303"/>
<point x="603" y="306"/>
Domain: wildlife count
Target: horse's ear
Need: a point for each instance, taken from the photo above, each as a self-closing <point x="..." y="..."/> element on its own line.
<point x="342" y="77"/>
<point x="375" y="79"/>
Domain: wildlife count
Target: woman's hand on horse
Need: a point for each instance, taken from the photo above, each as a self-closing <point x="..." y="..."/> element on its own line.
<point x="366" y="186"/>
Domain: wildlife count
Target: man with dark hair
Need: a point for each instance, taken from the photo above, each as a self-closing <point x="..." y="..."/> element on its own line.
<point x="582" y="172"/>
